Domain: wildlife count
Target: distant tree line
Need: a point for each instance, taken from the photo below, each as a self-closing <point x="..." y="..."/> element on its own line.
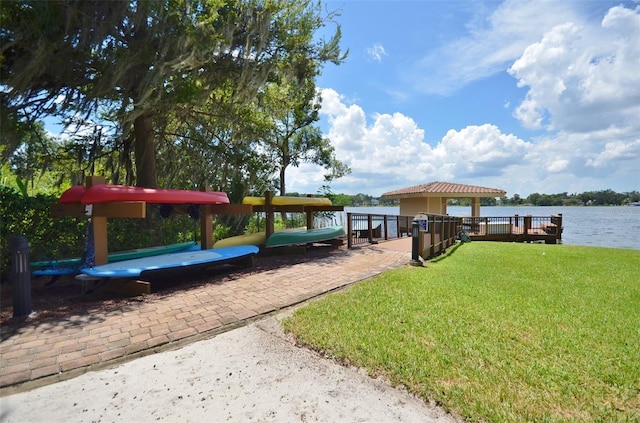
<point x="358" y="200"/>
<point x="591" y="198"/>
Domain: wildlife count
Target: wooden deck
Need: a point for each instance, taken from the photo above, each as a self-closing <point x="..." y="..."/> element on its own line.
<point x="514" y="228"/>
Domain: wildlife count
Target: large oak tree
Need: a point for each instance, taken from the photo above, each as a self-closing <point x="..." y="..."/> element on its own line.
<point x="148" y="61"/>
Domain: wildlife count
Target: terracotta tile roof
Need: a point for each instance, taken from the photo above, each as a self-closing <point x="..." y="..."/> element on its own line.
<point x="444" y="188"/>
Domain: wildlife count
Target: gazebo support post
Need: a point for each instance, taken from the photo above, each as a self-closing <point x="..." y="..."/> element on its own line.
<point x="475" y="207"/>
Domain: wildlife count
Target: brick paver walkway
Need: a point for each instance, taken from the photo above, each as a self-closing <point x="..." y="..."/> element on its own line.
<point x="46" y="352"/>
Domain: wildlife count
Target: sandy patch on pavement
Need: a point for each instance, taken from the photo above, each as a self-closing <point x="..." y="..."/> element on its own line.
<point x="248" y="374"/>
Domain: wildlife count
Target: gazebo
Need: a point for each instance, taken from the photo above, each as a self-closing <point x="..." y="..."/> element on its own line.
<point x="432" y="197"/>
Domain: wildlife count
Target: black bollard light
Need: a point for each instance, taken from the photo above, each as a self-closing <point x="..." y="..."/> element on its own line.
<point x="415" y="244"/>
<point x="21" y="276"/>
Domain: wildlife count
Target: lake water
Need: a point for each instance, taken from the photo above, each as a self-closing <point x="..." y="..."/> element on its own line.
<point x="617" y="227"/>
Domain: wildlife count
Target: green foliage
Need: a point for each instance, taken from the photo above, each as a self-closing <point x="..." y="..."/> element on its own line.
<point x="30" y="217"/>
<point x="257" y="222"/>
<point x="140" y="64"/>
<point x="608" y="197"/>
<point x="341" y="200"/>
<point x="127" y="234"/>
<point x="221" y="232"/>
<point x="21" y="187"/>
<point x="289" y="105"/>
<point x="497" y="331"/>
<point x="31" y="158"/>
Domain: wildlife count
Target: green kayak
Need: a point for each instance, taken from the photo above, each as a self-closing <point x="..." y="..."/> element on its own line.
<point x="304" y="236"/>
<point x="119" y="256"/>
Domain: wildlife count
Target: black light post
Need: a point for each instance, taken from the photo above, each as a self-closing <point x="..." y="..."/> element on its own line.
<point x="21" y="276"/>
<point x="415" y="244"/>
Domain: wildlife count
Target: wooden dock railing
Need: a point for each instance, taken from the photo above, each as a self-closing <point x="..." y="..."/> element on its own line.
<point x="514" y="228"/>
<point x="439" y="232"/>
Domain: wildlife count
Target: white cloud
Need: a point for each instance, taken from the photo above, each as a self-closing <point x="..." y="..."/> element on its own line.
<point x="397" y="96"/>
<point x="584" y="88"/>
<point x="583" y="78"/>
<point x="617" y="151"/>
<point x="528" y="114"/>
<point x="490" y="45"/>
<point x="376" y="52"/>
<point x="390" y="152"/>
<point x="588" y="161"/>
<point x="557" y="166"/>
<point x="480" y="151"/>
<point x="388" y="145"/>
<point x="348" y="121"/>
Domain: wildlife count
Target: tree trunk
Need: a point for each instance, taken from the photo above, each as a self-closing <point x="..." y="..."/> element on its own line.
<point x="283" y="215"/>
<point x="285" y="160"/>
<point x="145" y="152"/>
<point x="282" y="191"/>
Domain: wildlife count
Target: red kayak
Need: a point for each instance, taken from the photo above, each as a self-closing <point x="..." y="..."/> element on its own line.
<point x="104" y="193"/>
<point x="72" y="195"/>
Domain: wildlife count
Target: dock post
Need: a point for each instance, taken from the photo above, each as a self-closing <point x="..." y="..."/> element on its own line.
<point x="558" y="221"/>
<point x="349" y="232"/>
<point x="527" y="223"/>
<point x="415" y="244"/>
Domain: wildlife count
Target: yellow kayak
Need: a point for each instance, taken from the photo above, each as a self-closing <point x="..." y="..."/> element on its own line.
<point x="288" y="201"/>
<point x="256" y="238"/>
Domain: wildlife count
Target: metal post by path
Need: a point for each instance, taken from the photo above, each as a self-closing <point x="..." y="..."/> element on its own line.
<point x="415" y="244"/>
<point x="21" y="276"/>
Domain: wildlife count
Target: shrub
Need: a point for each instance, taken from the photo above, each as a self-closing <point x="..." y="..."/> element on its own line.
<point x="48" y="236"/>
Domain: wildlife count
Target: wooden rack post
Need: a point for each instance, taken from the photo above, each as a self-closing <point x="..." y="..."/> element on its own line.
<point x="99" y="214"/>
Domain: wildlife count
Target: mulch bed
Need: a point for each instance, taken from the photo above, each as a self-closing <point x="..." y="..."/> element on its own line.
<point x="65" y="297"/>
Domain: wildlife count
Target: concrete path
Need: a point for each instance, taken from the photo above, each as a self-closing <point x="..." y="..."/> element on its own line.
<point x="45" y="352"/>
<point x="254" y="373"/>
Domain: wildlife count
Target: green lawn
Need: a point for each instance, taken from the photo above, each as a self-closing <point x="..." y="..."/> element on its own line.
<point x="497" y="331"/>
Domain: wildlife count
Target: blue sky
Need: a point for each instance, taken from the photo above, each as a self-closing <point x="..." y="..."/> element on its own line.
<point x="525" y="96"/>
